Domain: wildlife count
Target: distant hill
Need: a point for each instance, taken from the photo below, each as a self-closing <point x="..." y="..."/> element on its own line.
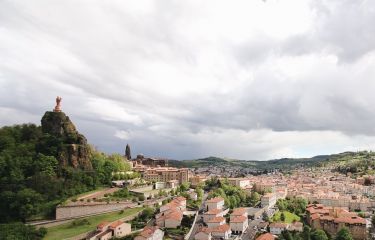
<point x="283" y="163"/>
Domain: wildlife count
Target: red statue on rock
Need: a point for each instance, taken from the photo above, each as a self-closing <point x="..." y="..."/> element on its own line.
<point x="58" y="105"/>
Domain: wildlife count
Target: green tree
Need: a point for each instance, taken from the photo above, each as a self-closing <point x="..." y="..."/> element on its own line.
<point x="344" y="234"/>
<point x="282" y="217"/>
<point x="45" y="165"/>
<point x="147" y="214"/>
<point x="286" y="235"/>
<point x="20" y="231"/>
<point x="319" y="235"/>
<point x="254" y="198"/>
<point x="306" y="234"/>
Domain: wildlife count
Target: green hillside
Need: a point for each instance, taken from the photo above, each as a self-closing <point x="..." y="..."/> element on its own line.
<point x="343" y="162"/>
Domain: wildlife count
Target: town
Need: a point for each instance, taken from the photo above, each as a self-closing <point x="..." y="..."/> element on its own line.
<point x="204" y="204"/>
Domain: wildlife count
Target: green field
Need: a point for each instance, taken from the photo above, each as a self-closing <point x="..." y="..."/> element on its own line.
<point x="67" y="230"/>
<point x="289" y="217"/>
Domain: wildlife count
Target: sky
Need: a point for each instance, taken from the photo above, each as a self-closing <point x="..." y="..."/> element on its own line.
<point x="244" y="79"/>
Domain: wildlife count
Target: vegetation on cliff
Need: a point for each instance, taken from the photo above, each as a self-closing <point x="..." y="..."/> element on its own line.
<point x="37" y="172"/>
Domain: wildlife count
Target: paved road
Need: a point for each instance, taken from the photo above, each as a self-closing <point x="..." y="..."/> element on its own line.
<point x="199" y="221"/>
<point x="250" y="232"/>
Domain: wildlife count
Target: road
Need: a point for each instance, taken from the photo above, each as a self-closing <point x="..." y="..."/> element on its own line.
<point x="250" y="233"/>
<point x="199" y="221"/>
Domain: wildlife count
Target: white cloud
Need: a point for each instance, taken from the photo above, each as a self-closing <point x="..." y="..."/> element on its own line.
<point x="124" y="135"/>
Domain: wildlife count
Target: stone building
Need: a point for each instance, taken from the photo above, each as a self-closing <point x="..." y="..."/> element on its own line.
<point x="332" y="219"/>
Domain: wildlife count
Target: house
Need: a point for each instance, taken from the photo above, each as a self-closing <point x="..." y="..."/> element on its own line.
<point x="196" y="180"/>
<point x="173" y="220"/>
<point x="203" y="234"/>
<point x="266" y="236"/>
<point x="178" y="202"/>
<point x="150" y="233"/>
<point x="239" y="224"/>
<point x="215" y="222"/>
<point x="120" y="228"/>
<point x="212" y="214"/>
<point x="169" y="219"/>
<point x="171" y="214"/>
<point x="215" y="203"/>
<point x="268" y="200"/>
<point x="239" y="182"/>
<point x="237" y="212"/>
<point x="107" y="230"/>
<point x="193" y="195"/>
<point x="277" y="227"/>
<point x="222" y="231"/>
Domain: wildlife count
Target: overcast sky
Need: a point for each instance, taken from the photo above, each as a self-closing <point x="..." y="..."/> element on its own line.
<point x="245" y="79"/>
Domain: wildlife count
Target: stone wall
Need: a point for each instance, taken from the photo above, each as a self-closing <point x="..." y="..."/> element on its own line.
<point x="64" y="212"/>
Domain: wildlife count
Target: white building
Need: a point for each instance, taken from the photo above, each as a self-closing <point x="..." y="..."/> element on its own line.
<point x="268" y="199"/>
<point x="239" y="224"/>
<point x="215" y="203"/>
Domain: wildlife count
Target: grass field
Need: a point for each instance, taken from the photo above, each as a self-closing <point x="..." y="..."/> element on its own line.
<point x="67" y="230"/>
<point x="289" y="217"/>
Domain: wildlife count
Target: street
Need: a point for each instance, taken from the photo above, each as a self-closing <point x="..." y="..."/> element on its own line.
<point x="250" y="232"/>
<point x="199" y="221"/>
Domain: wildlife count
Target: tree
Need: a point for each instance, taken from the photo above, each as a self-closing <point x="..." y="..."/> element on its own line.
<point x="344" y="234"/>
<point x="286" y="235"/>
<point x="21" y="231"/>
<point x="127" y="152"/>
<point x="319" y="235"/>
<point x="281" y="204"/>
<point x="306" y="234"/>
<point x="254" y="198"/>
<point x="282" y="216"/>
<point x="147" y="214"/>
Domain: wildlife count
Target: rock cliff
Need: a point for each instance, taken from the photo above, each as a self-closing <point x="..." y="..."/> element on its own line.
<point x="72" y="149"/>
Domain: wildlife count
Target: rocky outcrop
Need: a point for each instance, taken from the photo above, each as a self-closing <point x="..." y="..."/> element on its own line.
<point x="72" y="149"/>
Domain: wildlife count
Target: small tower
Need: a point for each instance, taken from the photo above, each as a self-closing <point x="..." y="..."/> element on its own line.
<point x="127" y="152"/>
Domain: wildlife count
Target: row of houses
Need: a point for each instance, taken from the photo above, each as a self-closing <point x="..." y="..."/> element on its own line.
<point x="217" y="226"/>
<point x="171" y="214"/>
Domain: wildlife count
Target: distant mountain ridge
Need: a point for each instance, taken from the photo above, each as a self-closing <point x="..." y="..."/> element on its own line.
<point x="282" y="163"/>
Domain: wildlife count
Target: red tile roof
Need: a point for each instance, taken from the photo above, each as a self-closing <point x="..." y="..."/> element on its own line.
<point x="266" y="236"/>
<point x="216" y="220"/>
<point x="213" y="212"/>
<point x="239" y="219"/>
<point x="148" y="231"/>
<point x="116" y="224"/>
<point x="239" y="211"/>
<point x="222" y="228"/>
<point x="350" y="220"/>
<point x="102" y="225"/>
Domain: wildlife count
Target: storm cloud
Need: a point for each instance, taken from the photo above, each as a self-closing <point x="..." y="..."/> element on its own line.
<point x="186" y="79"/>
